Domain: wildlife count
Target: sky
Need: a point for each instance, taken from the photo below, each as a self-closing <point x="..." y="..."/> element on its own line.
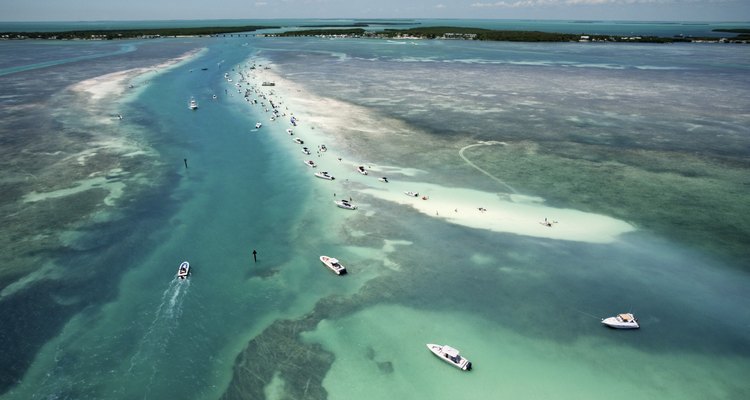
<point x="637" y="10"/>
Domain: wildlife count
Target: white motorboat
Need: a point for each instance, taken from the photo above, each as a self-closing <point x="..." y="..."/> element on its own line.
<point x="324" y="175"/>
<point x="310" y="163"/>
<point x="258" y="125"/>
<point x="450" y="355"/>
<point x="298" y="141"/>
<point x="333" y="264"/>
<point x="184" y="270"/>
<point x="345" y="204"/>
<point x="412" y="194"/>
<point x="383" y="179"/>
<point x="622" y="321"/>
<point x="306" y="150"/>
<point x="361" y="169"/>
<point x="322" y="147"/>
<point x="289" y="131"/>
<point x="214" y="97"/>
<point x="193" y="105"/>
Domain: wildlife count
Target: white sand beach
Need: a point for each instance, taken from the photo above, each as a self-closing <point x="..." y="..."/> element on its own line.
<point x="324" y="120"/>
<point x="116" y="83"/>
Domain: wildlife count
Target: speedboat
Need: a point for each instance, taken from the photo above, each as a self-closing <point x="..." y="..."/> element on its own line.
<point x="383" y="179"/>
<point x="193" y="105"/>
<point x="324" y="175"/>
<point x="333" y="264"/>
<point x="258" y="125"/>
<point x="298" y="141"/>
<point x="306" y="150"/>
<point x="622" y="321"/>
<point x="450" y="355"/>
<point x="345" y="204"/>
<point x="322" y="147"/>
<point x="362" y="170"/>
<point x="411" y="194"/>
<point x="289" y="131"/>
<point x="214" y="97"/>
<point x="310" y="163"/>
<point x="184" y="270"/>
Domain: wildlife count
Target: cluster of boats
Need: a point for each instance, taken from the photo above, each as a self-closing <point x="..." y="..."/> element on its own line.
<point x="453" y="357"/>
<point x="446" y="353"/>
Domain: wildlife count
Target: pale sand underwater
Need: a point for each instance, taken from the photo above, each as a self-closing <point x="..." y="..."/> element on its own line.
<point x="323" y="119"/>
<point x="515" y="281"/>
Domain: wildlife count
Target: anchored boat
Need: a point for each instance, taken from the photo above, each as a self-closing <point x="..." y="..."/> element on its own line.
<point x="622" y="321"/>
<point x="324" y="175"/>
<point x="450" y="355"/>
<point x="333" y="264"/>
<point x="345" y="204"/>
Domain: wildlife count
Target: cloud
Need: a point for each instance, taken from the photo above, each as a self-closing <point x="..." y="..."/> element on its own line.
<point x="261" y="3"/>
<point x="542" y="3"/>
<point x="440" y="6"/>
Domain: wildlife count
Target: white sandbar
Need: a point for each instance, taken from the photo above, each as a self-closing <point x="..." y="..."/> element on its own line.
<point x="500" y="212"/>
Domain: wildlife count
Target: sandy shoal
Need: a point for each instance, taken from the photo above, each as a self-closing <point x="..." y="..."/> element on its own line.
<point x="497" y="212"/>
<point x="114" y="84"/>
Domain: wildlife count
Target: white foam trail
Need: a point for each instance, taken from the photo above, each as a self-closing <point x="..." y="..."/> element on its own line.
<point x="162" y="328"/>
<point x="490" y="143"/>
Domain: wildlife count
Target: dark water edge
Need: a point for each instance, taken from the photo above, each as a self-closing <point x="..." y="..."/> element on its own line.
<point x="37" y="137"/>
<point x="34" y="315"/>
<point x="435" y="261"/>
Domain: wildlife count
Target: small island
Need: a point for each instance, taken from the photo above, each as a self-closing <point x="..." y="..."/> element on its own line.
<point x="461" y="33"/>
<point x="357" y="31"/>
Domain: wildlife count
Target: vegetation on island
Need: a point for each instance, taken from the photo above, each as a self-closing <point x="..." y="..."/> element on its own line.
<point x="356" y="30"/>
<point x="742" y="33"/>
<point x="450" y="32"/>
<point x="109" y="34"/>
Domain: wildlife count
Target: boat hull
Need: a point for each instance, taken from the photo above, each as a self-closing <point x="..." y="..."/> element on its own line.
<point x="345" y="205"/>
<point x="437" y="350"/>
<point x="324" y="176"/>
<point x="622" y="321"/>
<point x="613" y="323"/>
<point x="333" y="265"/>
<point x="184" y="270"/>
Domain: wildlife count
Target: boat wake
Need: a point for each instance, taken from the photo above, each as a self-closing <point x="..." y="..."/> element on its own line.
<point x="490" y="143"/>
<point x="155" y="341"/>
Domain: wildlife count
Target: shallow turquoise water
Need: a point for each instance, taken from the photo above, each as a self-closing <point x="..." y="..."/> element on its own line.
<point x="524" y="310"/>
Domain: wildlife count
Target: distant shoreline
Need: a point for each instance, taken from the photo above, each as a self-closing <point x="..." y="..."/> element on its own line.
<point x="462" y="33"/>
<point x="114" y="34"/>
<point x="357" y="31"/>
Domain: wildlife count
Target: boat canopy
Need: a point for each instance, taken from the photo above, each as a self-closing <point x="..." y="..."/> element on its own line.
<point x="450" y="351"/>
<point x="626" y="317"/>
